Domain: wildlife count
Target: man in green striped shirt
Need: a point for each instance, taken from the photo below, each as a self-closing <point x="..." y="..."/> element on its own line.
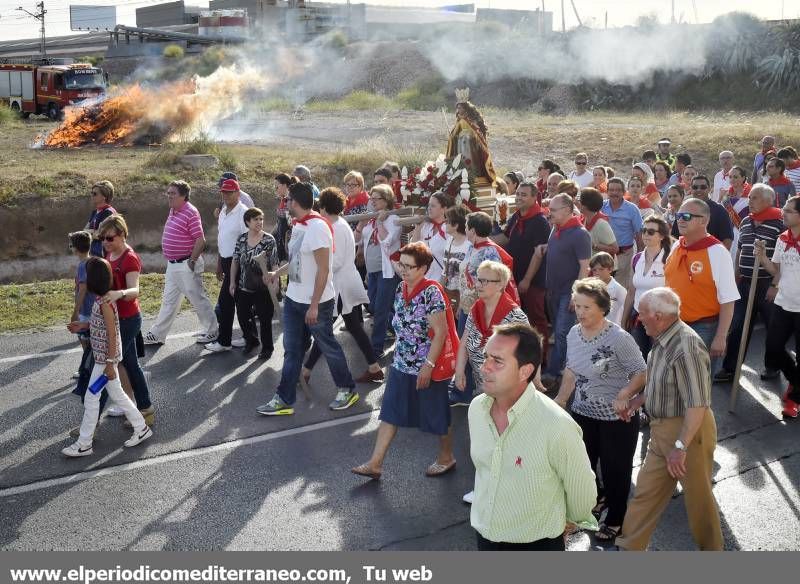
<point x="532" y="473"/>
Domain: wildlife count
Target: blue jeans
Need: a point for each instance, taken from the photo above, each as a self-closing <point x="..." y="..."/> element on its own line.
<point x="562" y="319"/>
<point x="128" y="329"/>
<point x="294" y="324"/>
<point x="381" y="293"/>
<point x="707" y="331"/>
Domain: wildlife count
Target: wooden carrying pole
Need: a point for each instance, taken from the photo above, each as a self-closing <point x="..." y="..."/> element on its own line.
<point x="401" y="212"/>
<point x="743" y="343"/>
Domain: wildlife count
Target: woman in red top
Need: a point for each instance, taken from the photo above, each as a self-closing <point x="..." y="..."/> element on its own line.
<point x="546" y="168"/>
<point x="357" y="198"/>
<point x="126" y="267"/>
<point x="600" y="181"/>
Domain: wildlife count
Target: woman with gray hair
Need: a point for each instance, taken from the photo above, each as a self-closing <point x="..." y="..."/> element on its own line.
<point x="603" y="363"/>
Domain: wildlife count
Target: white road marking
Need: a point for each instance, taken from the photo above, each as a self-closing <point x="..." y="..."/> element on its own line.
<point x="174" y="456"/>
<point x="16" y="358"/>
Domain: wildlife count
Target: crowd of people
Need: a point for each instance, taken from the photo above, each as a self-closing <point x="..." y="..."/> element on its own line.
<point x="600" y="306"/>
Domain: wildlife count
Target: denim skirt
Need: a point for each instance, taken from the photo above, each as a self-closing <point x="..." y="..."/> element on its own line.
<point x="404" y="405"/>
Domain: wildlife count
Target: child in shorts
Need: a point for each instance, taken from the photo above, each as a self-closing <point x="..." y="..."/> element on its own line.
<point x="79" y="244"/>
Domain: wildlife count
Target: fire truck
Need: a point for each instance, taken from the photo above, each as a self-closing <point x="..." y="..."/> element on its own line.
<point x="47" y="86"/>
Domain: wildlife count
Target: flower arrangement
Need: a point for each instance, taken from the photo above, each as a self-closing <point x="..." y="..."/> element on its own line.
<point x="450" y="176"/>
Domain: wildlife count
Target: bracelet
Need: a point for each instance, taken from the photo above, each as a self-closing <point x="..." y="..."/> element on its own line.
<point x="428" y="362"/>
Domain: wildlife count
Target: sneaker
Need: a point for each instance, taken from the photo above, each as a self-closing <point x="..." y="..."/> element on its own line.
<point x="344" y="399"/>
<point x="456" y="400"/>
<point x="76" y="375"/>
<point x="151" y="339"/>
<point x="791" y="408"/>
<point x="215" y="347"/>
<point x="115" y="412"/>
<point x="238" y="343"/>
<point x="265" y="355"/>
<point x="769" y="374"/>
<point x="468" y="497"/>
<point x="204" y="339"/>
<point x="139" y="437"/>
<point x="149" y="415"/>
<point x="723" y="376"/>
<point x="786" y="393"/>
<point x="275" y="407"/>
<point x="371" y="377"/>
<point x="76" y="450"/>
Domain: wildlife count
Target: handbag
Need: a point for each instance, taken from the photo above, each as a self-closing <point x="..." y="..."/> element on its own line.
<point x="445" y="366"/>
<point x="253" y="278"/>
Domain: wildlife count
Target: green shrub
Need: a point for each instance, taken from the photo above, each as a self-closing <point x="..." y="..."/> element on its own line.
<point x="173" y="52"/>
<point x="427" y="94"/>
<point x="7" y="115"/>
<point x="93" y="60"/>
<point x="357" y="100"/>
<point x="274" y="104"/>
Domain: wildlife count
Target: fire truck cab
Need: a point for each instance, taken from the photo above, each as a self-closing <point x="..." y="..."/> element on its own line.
<point x="48" y="86"/>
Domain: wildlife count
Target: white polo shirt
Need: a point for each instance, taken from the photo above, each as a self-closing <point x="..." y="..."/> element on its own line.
<point x="230" y="225"/>
<point x="788" y="296"/>
<point x="720" y="182"/>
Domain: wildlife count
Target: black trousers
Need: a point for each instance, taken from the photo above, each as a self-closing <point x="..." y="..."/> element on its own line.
<point x="354" y="323"/>
<point x="613" y="445"/>
<point x="555" y="544"/>
<point x="783" y="325"/>
<point x="761" y="306"/>
<point x="227" y="305"/>
<point x="261" y="303"/>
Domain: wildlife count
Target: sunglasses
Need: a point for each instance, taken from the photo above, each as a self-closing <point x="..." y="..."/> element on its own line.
<point x="581" y="163"/>
<point x="109" y="238"/>
<point x="685" y="216"/>
<point x="648" y="231"/>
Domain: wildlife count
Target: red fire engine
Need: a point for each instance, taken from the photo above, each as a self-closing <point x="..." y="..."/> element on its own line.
<point x="47" y="86"/>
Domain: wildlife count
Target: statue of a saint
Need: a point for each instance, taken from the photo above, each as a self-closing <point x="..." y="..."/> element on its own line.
<point x="468" y="138"/>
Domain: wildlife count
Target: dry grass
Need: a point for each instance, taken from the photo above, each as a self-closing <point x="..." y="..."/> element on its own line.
<point x="42" y="304"/>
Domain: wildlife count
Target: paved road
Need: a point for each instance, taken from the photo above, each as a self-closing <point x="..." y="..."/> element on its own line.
<point x="218" y="476"/>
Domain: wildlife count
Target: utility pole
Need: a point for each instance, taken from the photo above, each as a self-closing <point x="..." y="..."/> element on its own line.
<point x="673" y="12"/>
<point x="575" y="10"/>
<point x="563" y="18"/>
<point x="39" y="16"/>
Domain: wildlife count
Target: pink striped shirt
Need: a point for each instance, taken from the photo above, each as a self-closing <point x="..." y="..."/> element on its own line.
<point x="181" y="230"/>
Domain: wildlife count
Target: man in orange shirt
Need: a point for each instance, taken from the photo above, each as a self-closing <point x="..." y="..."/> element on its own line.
<point x="700" y="270"/>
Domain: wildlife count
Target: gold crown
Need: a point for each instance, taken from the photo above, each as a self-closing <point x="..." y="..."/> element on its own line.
<point x="462" y="95"/>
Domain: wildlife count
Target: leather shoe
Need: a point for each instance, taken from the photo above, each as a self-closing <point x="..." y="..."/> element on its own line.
<point x="370" y="377"/>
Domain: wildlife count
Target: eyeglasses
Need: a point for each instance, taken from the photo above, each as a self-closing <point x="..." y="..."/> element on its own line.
<point x="699" y="187"/>
<point x="556" y="209"/>
<point x="685" y="216"/>
<point x="787" y="210"/>
<point x="109" y="238"/>
<point x="351" y="185"/>
<point x="406" y="266"/>
<point x="647" y="231"/>
<point x="580" y="162"/>
<point x="484" y="281"/>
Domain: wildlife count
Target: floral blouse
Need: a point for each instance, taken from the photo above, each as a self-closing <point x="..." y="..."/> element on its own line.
<point x="243" y="255"/>
<point x="411" y="325"/>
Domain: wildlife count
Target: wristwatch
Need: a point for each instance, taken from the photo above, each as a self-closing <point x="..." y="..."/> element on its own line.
<point x="123" y="294"/>
<point x="680" y="445"/>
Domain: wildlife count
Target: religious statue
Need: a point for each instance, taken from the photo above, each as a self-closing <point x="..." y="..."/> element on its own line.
<point x="468" y="138"/>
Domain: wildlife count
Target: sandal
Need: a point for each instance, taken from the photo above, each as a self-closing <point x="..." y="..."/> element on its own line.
<point x="365" y="471"/>
<point x="607" y="533"/>
<point x="436" y="469"/>
<point x="598" y="509"/>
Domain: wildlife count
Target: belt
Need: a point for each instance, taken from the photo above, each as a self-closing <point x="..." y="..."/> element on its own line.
<point x="704" y="320"/>
<point x="180" y="260"/>
<point x="625" y="248"/>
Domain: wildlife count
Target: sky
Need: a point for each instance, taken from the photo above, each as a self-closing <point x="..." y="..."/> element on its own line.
<point x="15" y="24"/>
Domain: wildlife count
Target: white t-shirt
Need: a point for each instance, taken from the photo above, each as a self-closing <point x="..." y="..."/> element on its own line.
<point x="346" y="279"/>
<point x="720" y="182"/>
<point x="229" y="227"/>
<point x="303" y="267"/>
<point x="454" y="256"/>
<point x="788" y="296"/>
<point x="584" y="180"/>
<point x="644" y="281"/>
<point x="618" y="294"/>
<point x="438" y="245"/>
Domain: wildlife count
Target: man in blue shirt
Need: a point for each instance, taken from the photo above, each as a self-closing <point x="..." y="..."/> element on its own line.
<point x="626" y="223"/>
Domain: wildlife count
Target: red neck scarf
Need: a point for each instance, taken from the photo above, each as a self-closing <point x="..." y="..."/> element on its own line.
<point x="768" y="214"/>
<point x="314" y="215"/>
<point x="570" y="223"/>
<point x="358" y="200"/>
<point x="683" y="250"/>
<point x="505" y="305"/>
<point x="793" y="165"/>
<point x="724" y="173"/>
<point x="536" y="209"/>
<point x="790" y="241"/>
<point x="437" y="228"/>
<point x="504" y="255"/>
<point x="780" y="181"/>
<point x="421" y="285"/>
<point x="373" y="237"/>
<point x="597" y="216"/>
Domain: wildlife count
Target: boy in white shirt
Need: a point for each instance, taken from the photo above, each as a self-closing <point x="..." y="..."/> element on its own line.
<point x="601" y="265"/>
<point x="581" y="175"/>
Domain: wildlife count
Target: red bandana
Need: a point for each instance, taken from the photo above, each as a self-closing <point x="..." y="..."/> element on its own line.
<point x="790" y="241"/>
<point x="768" y="214"/>
<point x="421" y="285"/>
<point x="314" y="215"/>
<point x="793" y="165"/>
<point x="597" y="216"/>
<point x="373" y="237"/>
<point x="505" y="305"/>
<point x="780" y="181"/>
<point x="437" y="228"/>
<point x="358" y="200"/>
<point x="535" y="210"/>
<point x="571" y="222"/>
<point x="683" y="250"/>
